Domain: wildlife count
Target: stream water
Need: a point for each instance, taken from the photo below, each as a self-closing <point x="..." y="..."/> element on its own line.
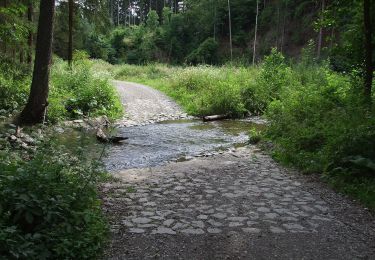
<point x="155" y="144"/>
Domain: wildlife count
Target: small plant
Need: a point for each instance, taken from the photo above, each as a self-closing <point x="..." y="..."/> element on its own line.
<point x="255" y="136"/>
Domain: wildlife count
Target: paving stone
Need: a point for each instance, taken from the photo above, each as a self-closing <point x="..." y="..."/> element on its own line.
<point x="276" y="230"/>
<point x="199" y="224"/>
<point x="136" y="230"/>
<point x="219" y="215"/>
<point x="263" y="209"/>
<point x="141" y="220"/>
<point x="235" y="224"/>
<point x="192" y="231"/>
<point x="237" y="219"/>
<point x="214" y="223"/>
<point x="168" y="222"/>
<point x="203" y="217"/>
<point x="271" y="215"/>
<point x="214" y="230"/>
<point x="293" y="226"/>
<point x="164" y="230"/>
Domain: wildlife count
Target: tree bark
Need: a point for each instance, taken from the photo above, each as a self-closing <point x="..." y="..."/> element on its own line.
<point x="30" y="11"/>
<point x="230" y="32"/>
<point x="70" y="47"/>
<point x="368" y="50"/>
<point x="37" y="103"/>
<point x="256" y="32"/>
<point x="320" y="38"/>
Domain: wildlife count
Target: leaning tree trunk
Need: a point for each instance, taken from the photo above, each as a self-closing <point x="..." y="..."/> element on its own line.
<point x="37" y="103"/>
<point x="30" y="12"/>
<point x="230" y="32"/>
<point x="320" y="37"/>
<point x="255" y="33"/>
<point x="368" y="50"/>
<point x="70" y="45"/>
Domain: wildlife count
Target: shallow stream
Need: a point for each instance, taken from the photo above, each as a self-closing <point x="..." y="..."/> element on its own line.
<point x="155" y="144"/>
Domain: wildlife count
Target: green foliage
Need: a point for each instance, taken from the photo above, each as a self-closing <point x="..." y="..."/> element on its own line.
<point x="49" y="206"/>
<point x="14" y="85"/>
<point x="206" y="53"/>
<point x="201" y="90"/>
<point x="274" y="75"/>
<point x="81" y="91"/>
<point x="13" y="30"/>
<point x="255" y="136"/>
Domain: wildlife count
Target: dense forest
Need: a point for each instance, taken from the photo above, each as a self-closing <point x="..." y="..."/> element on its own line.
<point x="305" y="67"/>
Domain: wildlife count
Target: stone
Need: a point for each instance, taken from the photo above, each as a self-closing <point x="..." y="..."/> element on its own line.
<point x="271" y="215"/>
<point x="141" y="220"/>
<point x="198" y="224"/>
<point x="237" y="219"/>
<point x="263" y="209"/>
<point x="251" y="230"/>
<point x="219" y="215"/>
<point x="276" y="230"/>
<point x="192" y="231"/>
<point x="136" y="230"/>
<point x="164" y="230"/>
<point x="214" y="223"/>
<point x="203" y="217"/>
<point x="213" y="230"/>
<point x="168" y="222"/>
<point x="235" y="224"/>
<point x="293" y="226"/>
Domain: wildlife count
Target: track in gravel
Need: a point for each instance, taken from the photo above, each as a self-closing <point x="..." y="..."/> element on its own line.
<point x="236" y="205"/>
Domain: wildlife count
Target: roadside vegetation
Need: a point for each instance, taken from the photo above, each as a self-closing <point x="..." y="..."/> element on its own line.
<point x="74" y="93"/>
<point x="49" y="205"/>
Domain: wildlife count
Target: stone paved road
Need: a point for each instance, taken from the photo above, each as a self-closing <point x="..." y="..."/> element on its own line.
<point x="237" y="205"/>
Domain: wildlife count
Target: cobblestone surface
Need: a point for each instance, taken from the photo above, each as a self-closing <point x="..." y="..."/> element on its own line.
<point x="241" y="193"/>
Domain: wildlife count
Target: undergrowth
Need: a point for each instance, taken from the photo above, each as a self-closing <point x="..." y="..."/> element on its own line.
<point x="74" y="93"/>
<point x="49" y="208"/>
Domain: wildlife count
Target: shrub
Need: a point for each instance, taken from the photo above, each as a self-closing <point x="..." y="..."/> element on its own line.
<point x="49" y="206"/>
<point x="206" y="53"/>
<point x="14" y="85"/>
<point x="80" y="91"/>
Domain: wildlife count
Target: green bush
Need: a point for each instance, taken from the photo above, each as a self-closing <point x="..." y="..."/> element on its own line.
<point x="81" y="91"/>
<point x="49" y="206"/>
<point x="14" y="85"/>
<point x="206" y="53"/>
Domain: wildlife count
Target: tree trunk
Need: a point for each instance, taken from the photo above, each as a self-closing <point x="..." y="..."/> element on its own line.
<point x="256" y="32"/>
<point x="368" y="50"/>
<point x="30" y="11"/>
<point x="320" y="38"/>
<point x="70" y="47"/>
<point x="230" y="32"/>
<point x="37" y="103"/>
